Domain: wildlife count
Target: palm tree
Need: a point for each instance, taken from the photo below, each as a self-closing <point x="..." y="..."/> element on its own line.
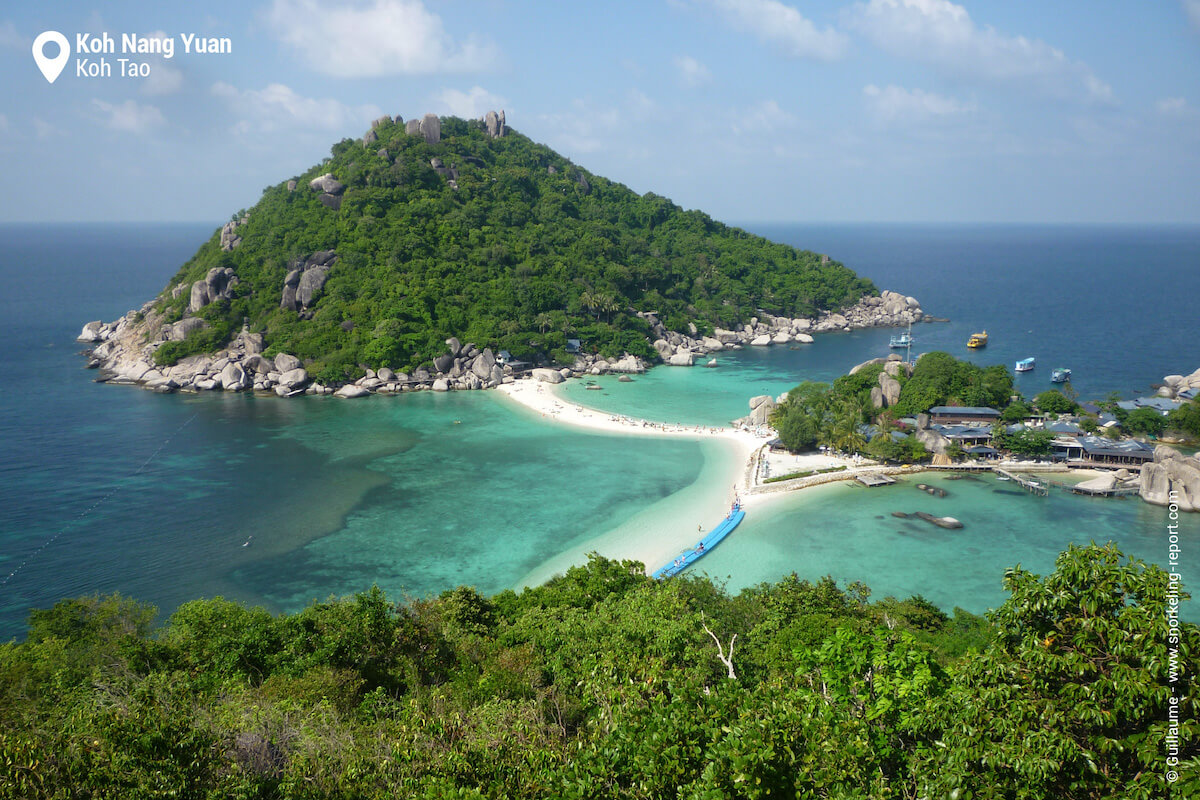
<point x="543" y="321"/>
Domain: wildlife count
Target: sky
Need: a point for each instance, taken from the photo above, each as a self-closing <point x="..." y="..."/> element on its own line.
<point x="1075" y="111"/>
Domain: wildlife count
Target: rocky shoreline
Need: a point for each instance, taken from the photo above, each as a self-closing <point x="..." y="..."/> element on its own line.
<point x="124" y="350"/>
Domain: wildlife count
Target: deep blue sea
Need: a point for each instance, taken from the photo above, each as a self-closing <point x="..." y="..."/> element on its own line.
<point x="166" y="498"/>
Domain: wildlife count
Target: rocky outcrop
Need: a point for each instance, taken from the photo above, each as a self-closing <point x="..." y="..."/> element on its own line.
<point x="548" y="375"/>
<point x="761" y="408"/>
<point x="431" y="128"/>
<point x="327" y="184"/>
<point x="1171" y="479"/>
<point x="494" y="124"/>
<point x="305" y="280"/>
<point x="889" y="309"/>
<point x="1174" y="384"/>
<point x="217" y="284"/>
<point x="887" y="393"/>
<point x="229" y="237"/>
<point x="934" y="441"/>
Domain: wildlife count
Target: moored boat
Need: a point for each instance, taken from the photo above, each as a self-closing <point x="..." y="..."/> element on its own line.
<point x="1060" y="375"/>
<point x="1025" y="364"/>
<point x="978" y="340"/>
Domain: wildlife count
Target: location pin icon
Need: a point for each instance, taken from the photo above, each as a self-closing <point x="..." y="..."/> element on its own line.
<point x="51" y="67"/>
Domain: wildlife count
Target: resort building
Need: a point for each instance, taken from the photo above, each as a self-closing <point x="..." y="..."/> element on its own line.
<point x="963" y="415"/>
<point x="967" y="436"/>
<point x="1100" y="451"/>
<point x="1063" y="429"/>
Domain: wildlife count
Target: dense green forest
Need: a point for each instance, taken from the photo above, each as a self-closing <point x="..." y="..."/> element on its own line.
<point x="503" y="243"/>
<point x="604" y="683"/>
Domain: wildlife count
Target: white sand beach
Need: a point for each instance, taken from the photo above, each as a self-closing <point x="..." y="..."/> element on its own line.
<point x="659" y="533"/>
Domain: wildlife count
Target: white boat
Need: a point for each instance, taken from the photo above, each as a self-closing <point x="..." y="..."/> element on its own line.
<point x="1060" y="375"/>
<point x="1025" y="365"/>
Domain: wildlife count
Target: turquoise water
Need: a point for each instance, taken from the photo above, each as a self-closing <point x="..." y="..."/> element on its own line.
<point x="167" y="498"/>
<point x="848" y="532"/>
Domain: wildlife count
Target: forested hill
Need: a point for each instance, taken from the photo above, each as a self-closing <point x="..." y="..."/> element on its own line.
<point x="448" y="227"/>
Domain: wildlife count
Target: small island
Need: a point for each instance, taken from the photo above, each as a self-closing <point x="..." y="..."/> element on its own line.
<point x="442" y="253"/>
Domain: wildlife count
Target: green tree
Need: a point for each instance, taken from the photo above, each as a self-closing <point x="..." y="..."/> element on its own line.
<point x="1072" y="699"/>
<point x="1053" y="401"/>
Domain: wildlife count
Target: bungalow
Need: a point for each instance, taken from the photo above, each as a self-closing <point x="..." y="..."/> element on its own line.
<point x="1063" y="429"/>
<point x="1102" y="451"/>
<point x="963" y="415"/>
<point x="965" y="435"/>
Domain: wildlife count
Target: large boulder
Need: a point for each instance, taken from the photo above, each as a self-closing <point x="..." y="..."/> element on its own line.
<point x="350" y="391"/>
<point x="293" y="378"/>
<point x="548" y="375"/>
<point x="890" y="388"/>
<point x="259" y="364"/>
<point x="179" y="331"/>
<point x="494" y="123"/>
<point x="327" y="184"/>
<point x="934" y="442"/>
<point x="627" y="364"/>
<point x="443" y="363"/>
<point x="286" y="363"/>
<point x="311" y="283"/>
<point x="431" y="128"/>
<point x="233" y="378"/>
<point x="92" y="332"/>
<point x="804" y="338"/>
<point x="483" y="363"/>
<point x="1171" y="478"/>
<point x="441" y="385"/>
<point x="761" y="408"/>
<point x="683" y="358"/>
<point x="712" y="344"/>
<point x="761" y="341"/>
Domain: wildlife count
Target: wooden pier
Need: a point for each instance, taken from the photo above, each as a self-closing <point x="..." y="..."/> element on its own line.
<point x="875" y="479"/>
<point x="1031" y="486"/>
<point x="1116" y="491"/>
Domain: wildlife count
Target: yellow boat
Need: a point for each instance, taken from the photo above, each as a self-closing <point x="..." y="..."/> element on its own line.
<point x="977" y="340"/>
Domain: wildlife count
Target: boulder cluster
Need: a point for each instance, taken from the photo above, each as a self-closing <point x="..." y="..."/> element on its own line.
<point x="682" y="350"/>
<point x="1174" y="384"/>
<point x="1171" y="479"/>
<point x="229" y="237"/>
<point x="305" y="280"/>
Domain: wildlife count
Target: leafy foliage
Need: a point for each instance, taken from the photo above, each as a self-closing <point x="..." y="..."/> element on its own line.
<point x="1052" y="401"/>
<point x="1186" y="418"/>
<point x="528" y="251"/>
<point x="604" y="684"/>
<point x="940" y="379"/>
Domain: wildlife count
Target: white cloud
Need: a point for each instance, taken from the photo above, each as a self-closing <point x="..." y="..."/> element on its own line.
<point x="895" y="103"/>
<point x="130" y="116"/>
<point x="163" y="79"/>
<point x="10" y="38"/>
<point x="1192" y="7"/>
<point x="784" y="27"/>
<point x="691" y="71"/>
<point x="1173" y="106"/>
<point x="473" y="103"/>
<point x="372" y="38"/>
<point x="765" y="117"/>
<point x="278" y="107"/>
<point x="942" y="33"/>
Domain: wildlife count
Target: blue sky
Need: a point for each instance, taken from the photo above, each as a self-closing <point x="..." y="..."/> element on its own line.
<point x="752" y="110"/>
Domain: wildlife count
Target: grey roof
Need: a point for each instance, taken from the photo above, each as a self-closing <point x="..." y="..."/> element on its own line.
<point x="1063" y="427"/>
<point x="963" y="431"/>
<point x="974" y="411"/>
<point x="1187" y="394"/>
<point x="1128" y="405"/>
<point x="1100" y="446"/>
<point x="1158" y="403"/>
<point x="981" y="450"/>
